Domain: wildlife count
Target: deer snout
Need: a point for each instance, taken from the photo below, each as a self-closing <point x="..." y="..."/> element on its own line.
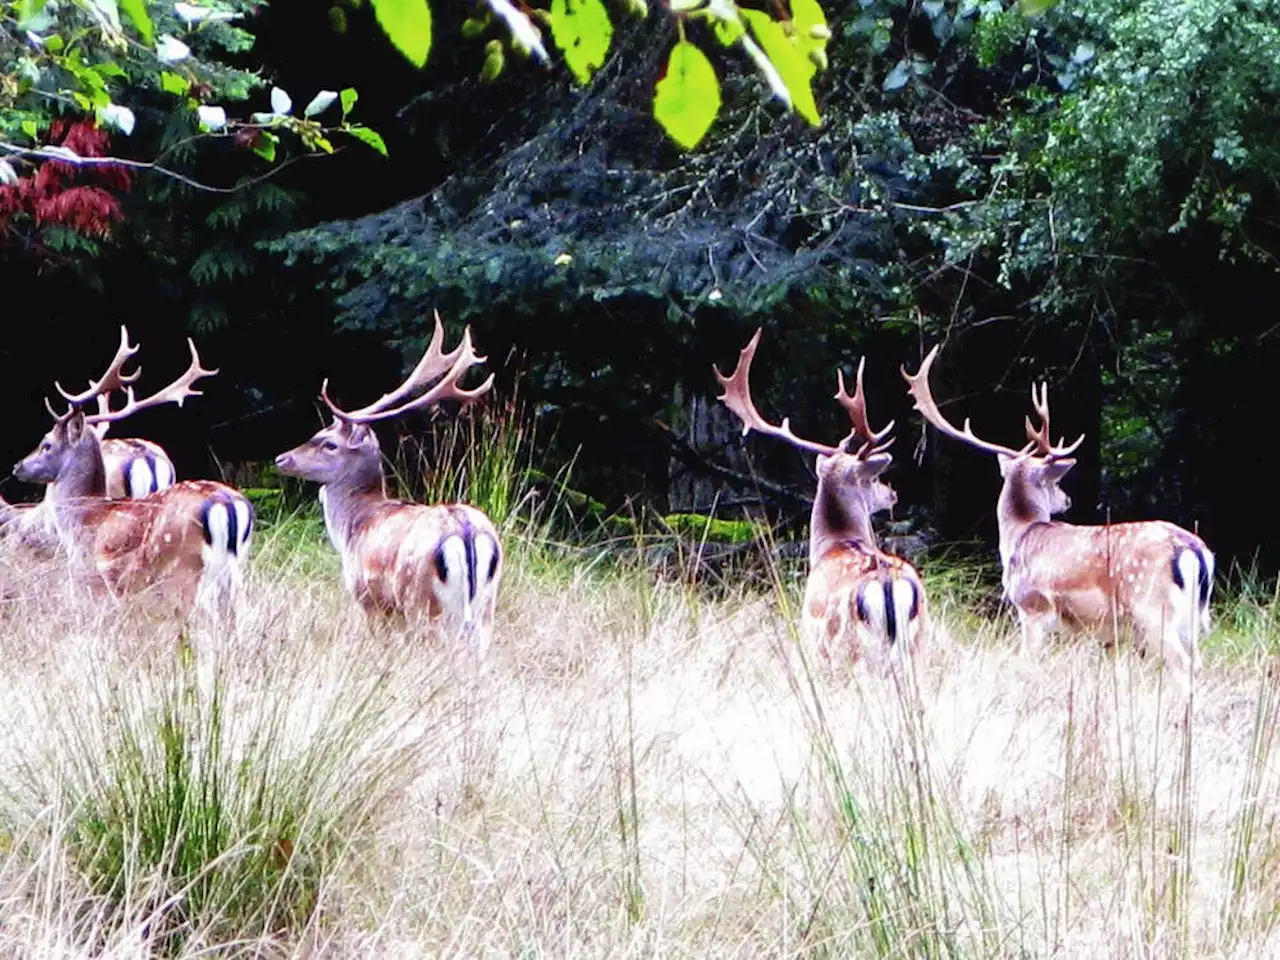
<point x="284" y="462"/>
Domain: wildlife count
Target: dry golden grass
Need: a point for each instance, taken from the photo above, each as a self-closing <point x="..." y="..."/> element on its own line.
<point x="638" y="770"/>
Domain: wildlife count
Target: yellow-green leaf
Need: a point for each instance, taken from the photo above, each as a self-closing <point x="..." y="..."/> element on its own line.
<point x="812" y="32"/>
<point x="687" y="98"/>
<point x="174" y="83"/>
<point x="31" y="129"/>
<point x="729" y="30"/>
<point x="348" y="96"/>
<point x="407" y="23"/>
<point x="793" y="66"/>
<point x="136" y="11"/>
<point x="371" y="137"/>
<point x="582" y="31"/>
<point x="1033" y="8"/>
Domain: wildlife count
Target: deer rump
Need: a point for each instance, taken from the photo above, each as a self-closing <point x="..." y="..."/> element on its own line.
<point x="870" y="601"/>
<point x="419" y="562"/>
<point x="189" y="537"/>
<point x="1154" y="575"/>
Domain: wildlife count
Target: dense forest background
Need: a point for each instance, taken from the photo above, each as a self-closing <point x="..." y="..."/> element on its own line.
<point x="1086" y="192"/>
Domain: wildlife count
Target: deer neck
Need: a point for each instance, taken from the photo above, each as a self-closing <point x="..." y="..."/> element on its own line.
<point x="839" y="515"/>
<point x="347" y="503"/>
<point x="1016" y="511"/>
<point x="83" y="476"/>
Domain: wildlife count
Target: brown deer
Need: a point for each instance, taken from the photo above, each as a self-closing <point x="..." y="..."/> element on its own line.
<point x="857" y="596"/>
<point x="435" y="566"/>
<point x="1151" y="575"/>
<point x="187" y="541"/>
<point x="134" y="467"/>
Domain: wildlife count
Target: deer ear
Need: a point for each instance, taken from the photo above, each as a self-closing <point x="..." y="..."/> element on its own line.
<point x="359" y="435"/>
<point x="75" y="425"/>
<point x="1055" y="470"/>
<point x="873" y="466"/>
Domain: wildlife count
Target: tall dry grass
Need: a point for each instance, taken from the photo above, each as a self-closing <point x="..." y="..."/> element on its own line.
<point x="637" y="770"/>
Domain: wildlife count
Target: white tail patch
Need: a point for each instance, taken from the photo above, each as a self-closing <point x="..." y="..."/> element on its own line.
<point x="906" y="606"/>
<point x="1193" y="599"/>
<point x="455" y="581"/>
<point x="228" y="528"/>
<point x="163" y="474"/>
<point x="140" y="479"/>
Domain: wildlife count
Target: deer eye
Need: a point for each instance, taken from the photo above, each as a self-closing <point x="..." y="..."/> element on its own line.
<point x="329" y="445"/>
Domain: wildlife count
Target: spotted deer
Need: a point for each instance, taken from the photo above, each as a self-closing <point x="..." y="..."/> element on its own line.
<point x="857" y="597"/>
<point x="187" y="542"/>
<point x="134" y="467"/>
<point x="432" y="566"/>
<point x="1151" y="575"/>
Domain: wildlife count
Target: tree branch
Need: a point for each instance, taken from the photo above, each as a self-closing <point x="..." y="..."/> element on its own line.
<point x="63" y="155"/>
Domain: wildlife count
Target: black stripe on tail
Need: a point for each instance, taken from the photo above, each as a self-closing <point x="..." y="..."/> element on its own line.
<point x="233" y="522"/>
<point x="1202" y="584"/>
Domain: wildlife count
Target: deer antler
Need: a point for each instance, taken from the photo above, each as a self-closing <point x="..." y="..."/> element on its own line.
<point x="434" y="364"/>
<point x="870" y="441"/>
<point x="176" y="392"/>
<point x="1041" y="438"/>
<point x="461" y="359"/>
<point x="918" y="387"/>
<point x="737" y="397"/>
<point x="113" y="379"/>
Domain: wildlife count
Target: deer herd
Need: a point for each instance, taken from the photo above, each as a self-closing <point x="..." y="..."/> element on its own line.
<point x="114" y="513"/>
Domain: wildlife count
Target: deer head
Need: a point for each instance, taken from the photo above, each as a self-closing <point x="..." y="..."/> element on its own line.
<point x="1031" y="475"/>
<point x="849" y="486"/>
<point x="346" y="453"/>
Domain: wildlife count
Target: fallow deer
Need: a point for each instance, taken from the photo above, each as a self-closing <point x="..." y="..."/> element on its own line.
<point x="134" y="467"/>
<point x="187" y="541"/>
<point x="435" y="566"/>
<point x="1151" y="575"/>
<point x="857" y="596"/>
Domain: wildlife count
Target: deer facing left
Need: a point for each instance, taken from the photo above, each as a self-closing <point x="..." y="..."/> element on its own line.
<point x="135" y="468"/>
<point x="857" y="597"/>
<point x="434" y="566"/>
<point x="188" y="542"/>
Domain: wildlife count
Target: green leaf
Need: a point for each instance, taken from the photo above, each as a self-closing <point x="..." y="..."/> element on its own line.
<point x="174" y="83"/>
<point x="812" y="32"/>
<point x="31" y="129"/>
<point x="265" y="146"/>
<point x="1033" y="8"/>
<point x="793" y="66"/>
<point x="136" y="11"/>
<point x="581" y="29"/>
<point x="348" y="97"/>
<point x="407" y="23"/>
<point x="728" y="31"/>
<point x="371" y="137"/>
<point x="28" y="10"/>
<point x="687" y="98"/>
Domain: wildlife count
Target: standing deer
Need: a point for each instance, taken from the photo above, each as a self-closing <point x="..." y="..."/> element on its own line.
<point x="134" y="467"/>
<point x="188" y="541"/>
<point x="856" y="596"/>
<point x="1152" y="575"/>
<point x="435" y="566"/>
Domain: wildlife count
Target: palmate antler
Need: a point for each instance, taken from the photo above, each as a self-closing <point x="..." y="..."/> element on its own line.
<point x="435" y="365"/>
<point x="737" y="397"/>
<point x="115" y="379"/>
<point x="1038" y="445"/>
